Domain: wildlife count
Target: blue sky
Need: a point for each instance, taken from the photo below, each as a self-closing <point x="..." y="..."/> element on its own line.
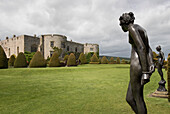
<point x="88" y="21"/>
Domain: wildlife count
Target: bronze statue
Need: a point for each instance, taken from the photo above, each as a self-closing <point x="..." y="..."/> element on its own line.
<point x="141" y="66"/>
<point x="161" y="59"/>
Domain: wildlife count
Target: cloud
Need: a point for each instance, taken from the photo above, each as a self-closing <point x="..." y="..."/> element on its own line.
<point x="91" y="21"/>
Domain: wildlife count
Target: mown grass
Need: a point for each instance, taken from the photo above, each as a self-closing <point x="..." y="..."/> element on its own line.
<point x="86" y="89"/>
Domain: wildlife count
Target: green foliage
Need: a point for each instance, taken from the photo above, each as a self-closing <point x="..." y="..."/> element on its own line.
<point x="168" y="75"/>
<point x="58" y="50"/>
<point x="76" y="54"/>
<point x="11" y="60"/>
<point x="88" y="56"/>
<point x="123" y="61"/>
<point x="82" y="58"/>
<point x="54" y="61"/>
<point x="66" y="57"/>
<point x="99" y="60"/>
<point x="104" y="60"/>
<point x="94" y="58"/>
<point x="71" y="60"/>
<point x="3" y="59"/>
<point x="37" y="60"/>
<point x="20" y="61"/>
<point x="28" y="55"/>
<point x="94" y="62"/>
<point x="111" y="60"/>
<point x="118" y="60"/>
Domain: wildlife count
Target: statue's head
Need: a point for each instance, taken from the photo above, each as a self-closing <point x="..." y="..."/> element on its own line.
<point x="125" y="20"/>
<point x="158" y="48"/>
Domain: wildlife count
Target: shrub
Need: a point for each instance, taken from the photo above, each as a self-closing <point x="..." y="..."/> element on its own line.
<point x="94" y="62"/>
<point x="94" y="58"/>
<point x="104" y="60"/>
<point x="20" y="61"/>
<point x="118" y="60"/>
<point x="168" y="76"/>
<point x="111" y="60"/>
<point x="123" y="61"/>
<point x="88" y="57"/>
<point x="37" y="60"/>
<point x="54" y="61"/>
<point x="99" y="60"/>
<point x="11" y="60"/>
<point x="66" y="59"/>
<point x="82" y="58"/>
<point x="71" y="60"/>
<point x="3" y="59"/>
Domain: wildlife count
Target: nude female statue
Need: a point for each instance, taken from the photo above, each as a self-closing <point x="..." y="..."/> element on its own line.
<point x="141" y="66"/>
<point x="161" y="59"/>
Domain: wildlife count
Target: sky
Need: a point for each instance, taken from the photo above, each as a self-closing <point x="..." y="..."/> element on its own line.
<point x="88" y="21"/>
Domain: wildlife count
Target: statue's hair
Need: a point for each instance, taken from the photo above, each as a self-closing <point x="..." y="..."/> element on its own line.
<point x="127" y="18"/>
<point x="158" y="48"/>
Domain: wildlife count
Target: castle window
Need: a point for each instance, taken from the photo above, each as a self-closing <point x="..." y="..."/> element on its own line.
<point x="52" y="44"/>
<point x="51" y="53"/>
<point x="62" y="45"/>
<point x="91" y="49"/>
<point x="76" y="49"/>
<point x="9" y="51"/>
<point x="67" y="48"/>
<point x="34" y="48"/>
<point x="17" y="50"/>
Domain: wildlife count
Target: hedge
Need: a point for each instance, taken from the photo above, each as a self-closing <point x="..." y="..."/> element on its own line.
<point x="37" y="60"/>
<point x="54" y="61"/>
<point x="3" y="59"/>
<point x="94" y="58"/>
<point x="71" y="60"/>
<point x="118" y="60"/>
<point x="11" y="61"/>
<point x="168" y="76"/>
<point x="82" y="58"/>
<point x="20" y="61"/>
<point x="111" y="60"/>
<point x="104" y="60"/>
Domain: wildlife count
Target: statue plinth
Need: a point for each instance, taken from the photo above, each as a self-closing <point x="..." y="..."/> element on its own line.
<point x="162" y="86"/>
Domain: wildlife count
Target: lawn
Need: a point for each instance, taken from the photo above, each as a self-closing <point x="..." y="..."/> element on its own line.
<point x="86" y="89"/>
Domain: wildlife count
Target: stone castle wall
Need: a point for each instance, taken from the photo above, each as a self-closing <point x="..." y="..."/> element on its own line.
<point x="44" y="44"/>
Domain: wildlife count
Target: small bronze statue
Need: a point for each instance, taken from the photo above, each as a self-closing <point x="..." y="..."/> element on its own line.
<point x="161" y="59"/>
<point x="141" y="66"/>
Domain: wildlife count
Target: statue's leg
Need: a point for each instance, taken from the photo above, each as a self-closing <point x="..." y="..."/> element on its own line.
<point x="137" y="88"/>
<point x="130" y="99"/>
<point x="160" y="72"/>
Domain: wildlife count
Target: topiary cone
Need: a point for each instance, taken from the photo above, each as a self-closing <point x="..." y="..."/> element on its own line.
<point x="94" y="58"/>
<point x="111" y="60"/>
<point x="37" y="60"/>
<point x="54" y="61"/>
<point x="71" y="60"/>
<point x="82" y="58"/>
<point x="3" y="59"/>
<point x="11" y="60"/>
<point x="104" y="60"/>
<point x="20" y="61"/>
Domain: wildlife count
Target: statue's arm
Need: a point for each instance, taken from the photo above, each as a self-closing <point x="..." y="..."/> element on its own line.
<point x="163" y="57"/>
<point x="141" y="48"/>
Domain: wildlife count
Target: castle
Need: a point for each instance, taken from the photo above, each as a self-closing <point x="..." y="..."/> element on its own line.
<point x="44" y="44"/>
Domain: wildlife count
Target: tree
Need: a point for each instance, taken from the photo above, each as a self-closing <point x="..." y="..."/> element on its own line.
<point x="54" y="61"/>
<point x="104" y="60"/>
<point x="111" y="60"/>
<point x="58" y="50"/>
<point x="118" y="60"/>
<point x="82" y="58"/>
<point x="123" y="61"/>
<point x="37" y="60"/>
<point x="3" y="59"/>
<point x="71" y="60"/>
<point x="88" y="57"/>
<point x="20" y="61"/>
<point x="94" y="58"/>
<point x="11" y="60"/>
<point x="28" y="55"/>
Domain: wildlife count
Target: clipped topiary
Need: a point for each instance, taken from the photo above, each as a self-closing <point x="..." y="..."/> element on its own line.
<point x="20" y="61"/>
<point x="3" y="59"/>
<point x="123" y="61"/>
<point x="118" y="60"/>
<point x="111" y="60"/>
<point x="168" y="76"/>
<point x="37" y="60"/>
<point x="54" y="61"/>
<point x="82" y="58"/>
<point x="94" y="58"/>
<point x="104" y="60"/>
<point x="11" y="61"/>
<point x="71" y="60"/>
<point x="66" y="59"/>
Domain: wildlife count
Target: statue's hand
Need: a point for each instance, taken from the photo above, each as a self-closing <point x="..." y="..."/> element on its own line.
<point x="152" y="68"/>
<point x="145" y="78"/>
